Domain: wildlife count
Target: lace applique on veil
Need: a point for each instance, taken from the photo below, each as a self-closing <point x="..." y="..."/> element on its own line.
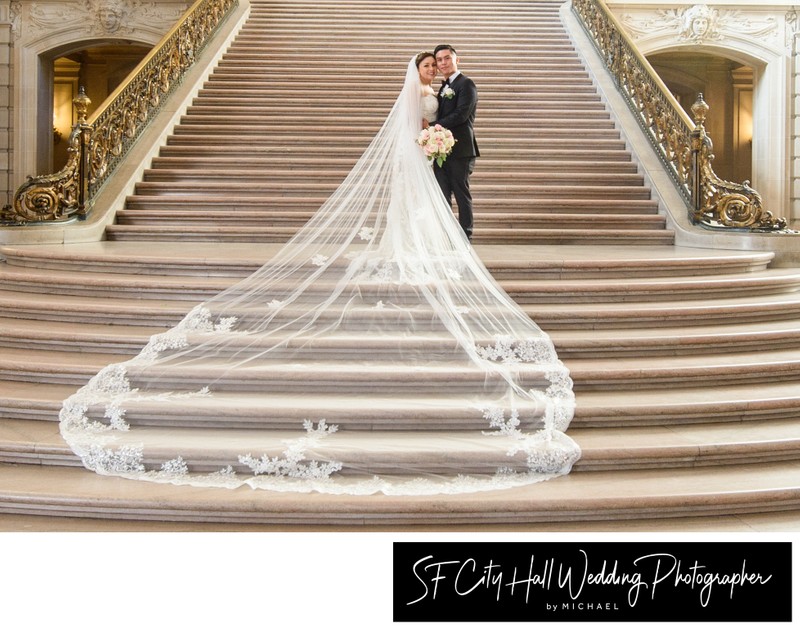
<point x="373" y="353"/>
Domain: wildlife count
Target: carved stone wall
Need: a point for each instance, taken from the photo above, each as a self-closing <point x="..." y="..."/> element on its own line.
<point x="35" y="31"/>
<point x="760" y="35"/>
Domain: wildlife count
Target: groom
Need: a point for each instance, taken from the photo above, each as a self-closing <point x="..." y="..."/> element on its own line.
<point x="458" y="99"/>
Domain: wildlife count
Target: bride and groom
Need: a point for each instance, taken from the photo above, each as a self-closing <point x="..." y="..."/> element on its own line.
<point x="454" y="109"/>
<point x="381" y="285"/>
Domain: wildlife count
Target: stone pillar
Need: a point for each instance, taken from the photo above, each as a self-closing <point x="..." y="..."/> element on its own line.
<point x="794" y="192"/>
<point x="6" y="148"/>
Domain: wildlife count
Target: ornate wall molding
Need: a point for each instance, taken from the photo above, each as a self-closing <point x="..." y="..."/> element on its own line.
<point x="700" y="24"/>
<point x="94" y="18"/>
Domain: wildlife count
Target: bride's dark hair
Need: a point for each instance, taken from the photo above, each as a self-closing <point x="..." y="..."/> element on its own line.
<point x="423" y="55"/>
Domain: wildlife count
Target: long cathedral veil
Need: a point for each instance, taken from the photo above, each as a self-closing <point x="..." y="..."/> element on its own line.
<point x="373" y="353"/>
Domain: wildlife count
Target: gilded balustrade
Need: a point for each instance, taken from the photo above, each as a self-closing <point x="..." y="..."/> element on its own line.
<point x="680" y="141"/>
<point x="96" y="146"/>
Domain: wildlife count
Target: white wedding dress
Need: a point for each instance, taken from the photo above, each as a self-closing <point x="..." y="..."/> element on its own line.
<point x="377" y="319"/>
<point x="429" y="104"/>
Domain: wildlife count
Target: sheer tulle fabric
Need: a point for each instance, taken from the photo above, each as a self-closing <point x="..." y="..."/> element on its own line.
<point x="373" y="353"/>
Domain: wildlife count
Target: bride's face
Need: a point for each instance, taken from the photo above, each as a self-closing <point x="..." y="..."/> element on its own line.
<point x="427" y="70"/>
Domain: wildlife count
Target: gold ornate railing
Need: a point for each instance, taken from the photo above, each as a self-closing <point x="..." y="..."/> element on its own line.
<point x="682" y="143"/>
<point x="96" y="146"/>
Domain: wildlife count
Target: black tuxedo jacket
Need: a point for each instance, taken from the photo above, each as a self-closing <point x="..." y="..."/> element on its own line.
<point x="458" y="115"/>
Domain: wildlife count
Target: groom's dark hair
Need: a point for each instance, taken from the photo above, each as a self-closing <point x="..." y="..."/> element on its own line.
<point x="444" y="47"/>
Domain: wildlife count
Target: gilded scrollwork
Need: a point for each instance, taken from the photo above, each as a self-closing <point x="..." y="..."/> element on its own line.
<point x="97" y="146"/>
<point x="683" y="146"/>
<point x="721" y="203"/>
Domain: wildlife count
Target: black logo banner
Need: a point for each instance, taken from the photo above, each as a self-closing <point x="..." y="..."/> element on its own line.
<point x="557" y="581"/>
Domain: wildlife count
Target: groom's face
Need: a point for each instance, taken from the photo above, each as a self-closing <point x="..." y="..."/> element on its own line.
<point x="446" y="61"/>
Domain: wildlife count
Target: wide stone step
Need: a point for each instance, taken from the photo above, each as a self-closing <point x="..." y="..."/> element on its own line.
<point x="611" y="151"/>
<point x="201" y="145"/>
<point x="381" y="378"/>
<point x="685" y="372"/>
<point x="31" y="442"/>
<point x="729" y="403"/>
<point x="262" y="65"/>
<point x="656" y="314"/>
<point x="260" y="218"/>
<point x="271" y="108"/>
<point x="346" y="135"/>
<point x="385" y="411"/>
<point x="567" y="316"/>
<point x="247" y="99"/>
<point x="128" y="340"/>
<point x="488" y="84"/>
<point x="304" y="188"/>
<point x="511" y="262"/>
<point x="757" y="336"/>
<point x="136" y="312"/>
<point x="276" y="165"/>
<point x="348" y="380"/>
<point x="489" y="204"/>
<point x="366" y="42"/>
<point x="75" y="336"/>
<point x="287" y="178"/>
<point x="490" y="235"/>
<point x="253" y="58"/>
<point x="590" y="496"/>
<point x="278" y="125"/>
<point x="529" y="291"/>
<point x="643" y="407"/>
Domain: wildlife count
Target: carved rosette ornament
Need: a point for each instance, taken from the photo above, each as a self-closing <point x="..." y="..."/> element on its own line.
<point x="683" y="146"/>
<point x="98" y="145"/>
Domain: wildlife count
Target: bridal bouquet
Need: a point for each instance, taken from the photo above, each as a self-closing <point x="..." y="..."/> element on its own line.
<point x="437" y="143"/>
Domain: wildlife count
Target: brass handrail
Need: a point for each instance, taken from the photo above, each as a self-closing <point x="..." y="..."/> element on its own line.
<point x="96" y="146"/>
<point x="681" y="142"/>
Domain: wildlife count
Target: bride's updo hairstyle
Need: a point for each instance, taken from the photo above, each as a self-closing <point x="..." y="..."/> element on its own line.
<point x="423" y="55"/>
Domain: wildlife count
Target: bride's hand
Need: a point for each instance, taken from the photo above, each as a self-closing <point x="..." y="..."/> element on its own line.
<point x="425" y="124"/>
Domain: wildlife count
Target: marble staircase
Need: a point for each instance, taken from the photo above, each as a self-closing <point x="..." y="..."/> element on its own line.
<point x="684" y="360"/>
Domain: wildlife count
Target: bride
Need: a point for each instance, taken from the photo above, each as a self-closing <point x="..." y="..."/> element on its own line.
<point x="373" y="353"/>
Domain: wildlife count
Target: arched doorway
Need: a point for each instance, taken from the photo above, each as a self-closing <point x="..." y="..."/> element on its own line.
<point x="99" y="69"/>
<point x="727" y="86"/>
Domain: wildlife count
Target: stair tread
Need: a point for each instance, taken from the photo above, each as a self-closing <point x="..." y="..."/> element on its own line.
<point x="773" y="278"/>
<point x="491" y="254"/>
<point x="744" y="304"/>
<point x="692" y="442"/>
<point x="51" y="395"/>
<point x="680" y="335"/>
<point x="582" y="370"/>
<point x="68" y="491"/>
